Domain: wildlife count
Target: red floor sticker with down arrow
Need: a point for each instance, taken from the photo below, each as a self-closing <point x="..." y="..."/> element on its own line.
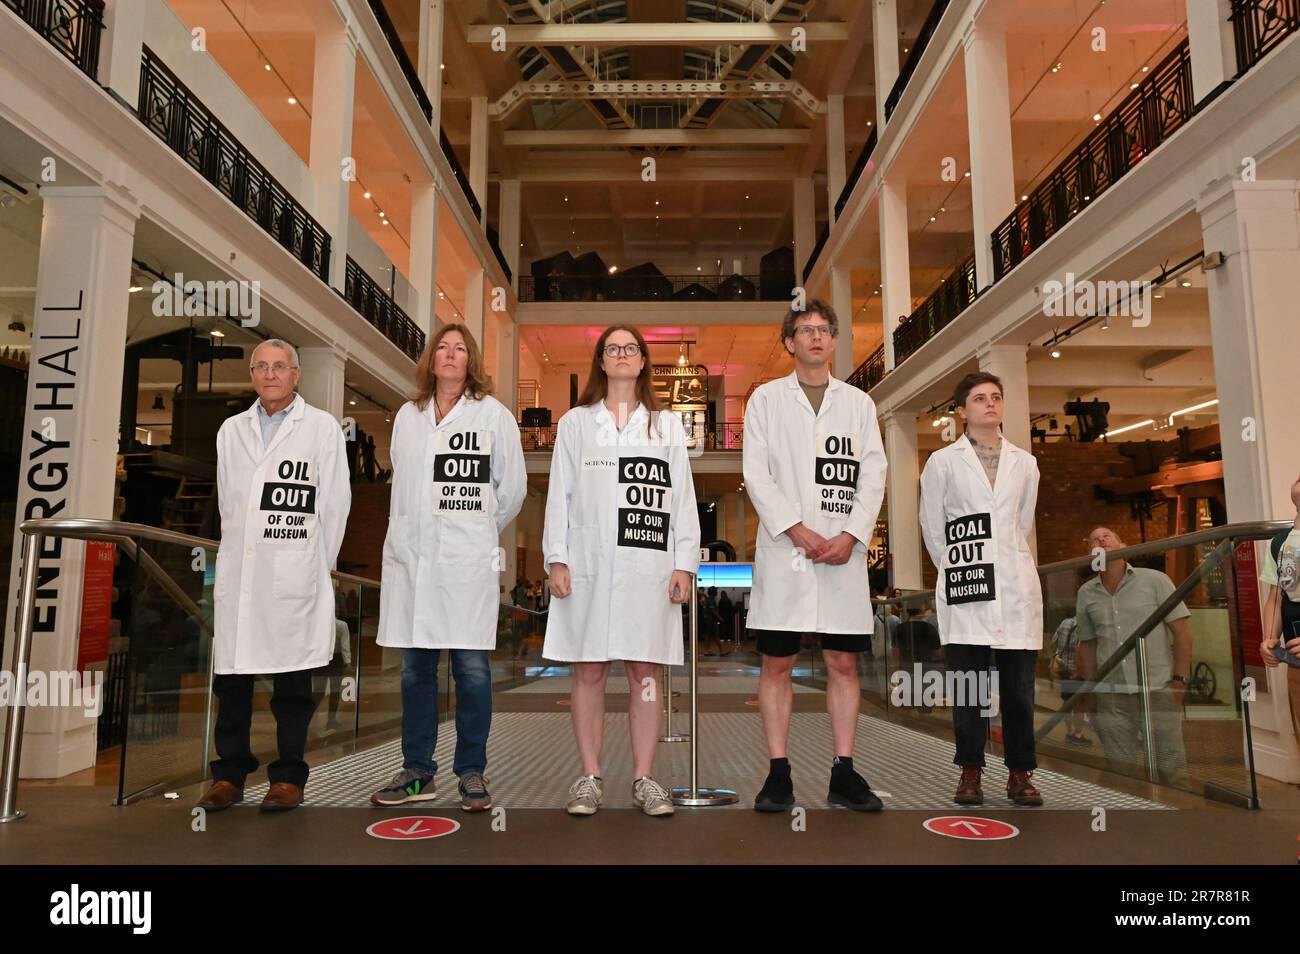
<point x="971" y="828"/>
<point x="412" y="828"/>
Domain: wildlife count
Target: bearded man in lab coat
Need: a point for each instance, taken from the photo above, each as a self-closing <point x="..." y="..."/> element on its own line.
<point x="282" y="486"/>
<point x="815" y="472"/>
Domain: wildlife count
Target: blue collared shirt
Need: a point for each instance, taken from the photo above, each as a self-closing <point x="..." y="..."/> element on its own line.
<point x="270" y="423"/>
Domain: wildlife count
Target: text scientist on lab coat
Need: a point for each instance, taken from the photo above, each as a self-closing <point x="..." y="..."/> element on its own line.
<point x="620" y="545"/>
<point x="978" y="496"/>
<point x="284" y="496"/>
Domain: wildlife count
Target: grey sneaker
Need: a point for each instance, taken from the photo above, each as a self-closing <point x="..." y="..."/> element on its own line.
<point x="474" y="794"/>
<point x="651" y="797"/>
<point x="584" y="795"/>
<point x="406" y="786"/>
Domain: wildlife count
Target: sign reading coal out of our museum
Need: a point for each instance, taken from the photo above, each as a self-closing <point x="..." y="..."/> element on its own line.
<point x="645" y="502"/>
<point x="968" y="573"/>
<point x="462" y="474"/>
<point x="836" y="475"/>
<point x="288" y="504"/>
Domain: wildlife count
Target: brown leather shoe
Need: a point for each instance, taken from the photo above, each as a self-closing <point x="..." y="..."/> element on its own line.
<point x="220" y="796"/>
<point x="968" y="789"/>
<point x="281" y="797"/>
<point x="1021" y="791"/>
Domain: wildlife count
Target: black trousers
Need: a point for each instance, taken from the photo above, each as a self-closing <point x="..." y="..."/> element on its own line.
<point x="1015" y="701"/>
<point x="292" y="704"/>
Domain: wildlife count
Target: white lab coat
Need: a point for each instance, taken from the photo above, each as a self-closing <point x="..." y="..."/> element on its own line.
<point x="988" y="592"/>
<point x="827" y="472"/>
<point x="456" y="485"/>
<point x="283" y="512"/>
<point x="620" y="513"/>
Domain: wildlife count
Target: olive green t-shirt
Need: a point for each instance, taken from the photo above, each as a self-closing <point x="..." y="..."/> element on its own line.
<point x="814" y="393"/>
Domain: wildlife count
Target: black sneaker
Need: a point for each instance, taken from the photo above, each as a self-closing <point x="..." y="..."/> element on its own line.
<point x="851" y="790"/>
<point x="777" y="794"/>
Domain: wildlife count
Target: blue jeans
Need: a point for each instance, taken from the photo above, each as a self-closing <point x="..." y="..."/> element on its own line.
<point x="473" y="678"/>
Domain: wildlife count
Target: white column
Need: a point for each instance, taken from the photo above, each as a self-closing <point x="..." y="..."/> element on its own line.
<point x="509" y="231"/>
<point x="333" y="93"/>
<point x="429" y="55"/>
<point x="884" y="52"/>
<point x="321" y="384"/>
<point x="835" y="171"/>
<point x="70" y="427"/>
<point x="424" y="255"/>
<point x="474" y="303"/>
<point x="505" y="379"/>
<point x="1256" y="225"/>
<point x="988" y="119"/>
<point x="120" y="48"/>
<point x="895" y="260"/>
<point x="478" y="150"/>
<point x="805" y="224"/>
<point x="842" y="302"/>
<point x="903" y="490"/>
<point x="1011" y="364"/>
<point x="1211" y="45"/>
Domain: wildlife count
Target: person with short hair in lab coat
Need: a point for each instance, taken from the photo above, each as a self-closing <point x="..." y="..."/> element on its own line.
<point x="815" y="471"/>
<point x="620" y="544"/>
<point x="283" y="493"/>
<point x="458" y="480"/>
<point x="977" y="517"/>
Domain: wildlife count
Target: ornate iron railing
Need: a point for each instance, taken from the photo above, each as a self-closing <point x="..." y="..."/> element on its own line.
<point x="1258" y="27"/>
<point x="403" y="59"/>
<point x="373" y="304"/>
<point x="172" y="113"/>
<point x="73" y="27"/>
<point x="817" y="251"/>
<point x="914" y="57"/>
<point x="1148" y="116"/>
<point x="855" y="174"/>
<point x="870" y="372"/>
<point x="459" y="173"/>
<point x="953" y="296"/>
<point x="638" y="287"/>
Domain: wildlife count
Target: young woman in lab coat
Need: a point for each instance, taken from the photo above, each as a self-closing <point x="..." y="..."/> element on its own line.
<point x="977" y="515"/>
<point x="620" y="544"/>
<point x="458" y="480"/>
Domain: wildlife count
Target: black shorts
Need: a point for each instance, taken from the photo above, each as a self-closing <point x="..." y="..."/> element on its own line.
<point x="776" y="642"/>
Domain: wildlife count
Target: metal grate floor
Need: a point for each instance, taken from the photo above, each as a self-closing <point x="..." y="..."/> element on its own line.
<point x="532" y="760"/>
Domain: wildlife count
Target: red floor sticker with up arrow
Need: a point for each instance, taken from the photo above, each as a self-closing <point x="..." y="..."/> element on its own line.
<point x="412" y="828"/>
<point x="971" y="827"/>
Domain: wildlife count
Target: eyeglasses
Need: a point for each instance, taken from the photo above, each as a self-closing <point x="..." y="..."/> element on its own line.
<point x="262" y="367"/>
<point x="614" y="351"/>
<point x="809" y="331"/>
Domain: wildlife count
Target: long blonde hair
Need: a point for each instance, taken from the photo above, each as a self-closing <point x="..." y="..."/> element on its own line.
<point x="477" y="383"/>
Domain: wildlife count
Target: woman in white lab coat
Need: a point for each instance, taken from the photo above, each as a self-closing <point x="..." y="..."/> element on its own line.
<point x="620" y="545"/>
<point x="977" y="515"/>
<point x="458" y="480"/>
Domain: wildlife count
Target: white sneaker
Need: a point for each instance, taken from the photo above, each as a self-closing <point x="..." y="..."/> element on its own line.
<point x="651" y="797"/>
<point x="584" y="796"/>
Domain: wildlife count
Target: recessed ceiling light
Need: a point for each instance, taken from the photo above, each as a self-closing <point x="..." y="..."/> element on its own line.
<point x="217" y="334"/>
<point x="1185" y="283"/>
<point x="268" y="67"/>
<point x="292" y="101"/>
<point x="1133" y="85"/>
<point x="353" y="402"/>
<point x="967" y="176"/>
<point x="1024" y="198"/>
<point x="932" y="218"/>
<point x="1146" y="69"/>
<point x="1056" y="352"/>
<point x="135" y="288"/>
<point x="1096" y="117"/>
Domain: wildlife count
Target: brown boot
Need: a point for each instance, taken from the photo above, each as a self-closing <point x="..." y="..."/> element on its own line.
<point x="281" y="797"/>
<point x="968" y="789"/>
<point x="220" y="796"/>
<point x="1021" y="791"/>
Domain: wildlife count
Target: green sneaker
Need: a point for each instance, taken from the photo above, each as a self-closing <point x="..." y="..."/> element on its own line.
<point x="406" y="786"/>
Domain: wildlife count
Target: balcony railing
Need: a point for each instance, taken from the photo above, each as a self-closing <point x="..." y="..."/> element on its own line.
<point x="870" y="372"/>
<point x="73" y="27"/>
<point x="373" y="304"/>
<point x="914" y="57"/>
<point x="170" y="111"/>
<point x="817" y="250"/>
<point x="643" y="288"/>
<point x="403" y="60"/>
<point x="1146" y="118"/>
<point x="855" y="174"/>
<point x="459" y="173"/>
<point x="719" y="436"/>
<point x="494" y="240"/>
<point x="949" y="300"/>
<point x="1259" y="26"/>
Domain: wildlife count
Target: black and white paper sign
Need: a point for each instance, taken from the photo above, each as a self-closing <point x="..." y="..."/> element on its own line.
<point x="462" y="474"/>
<point x="836" y="475"/>
<point x="288" y="505"/>
<point x="645" y="495"/>
<point x="968" y="576"/>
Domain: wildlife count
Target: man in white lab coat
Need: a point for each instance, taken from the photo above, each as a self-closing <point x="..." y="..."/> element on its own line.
<point x="282" y="487"/>
<point x="815" y="472"/>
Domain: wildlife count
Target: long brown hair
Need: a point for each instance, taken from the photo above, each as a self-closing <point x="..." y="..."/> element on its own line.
<point x="477" y="383"/>
<point x="598" y="381"/>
